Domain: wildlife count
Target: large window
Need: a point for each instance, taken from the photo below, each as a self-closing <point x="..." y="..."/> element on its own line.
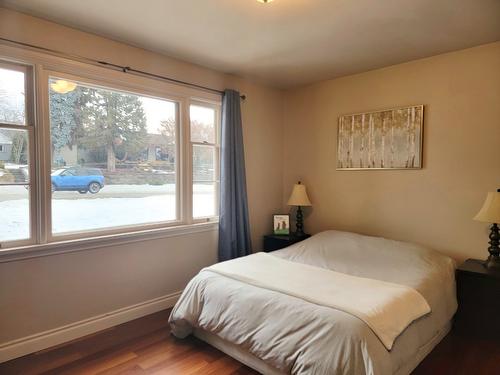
<point x="111" y="156"/>
<point x="16" y="129"/>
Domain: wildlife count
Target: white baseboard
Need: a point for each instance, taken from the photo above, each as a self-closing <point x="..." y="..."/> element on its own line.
<point x="43" y="340"/>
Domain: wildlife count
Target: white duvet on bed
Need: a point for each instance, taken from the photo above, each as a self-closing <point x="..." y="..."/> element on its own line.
<point x="296" y="336"/>
<point x="387" y="308"/>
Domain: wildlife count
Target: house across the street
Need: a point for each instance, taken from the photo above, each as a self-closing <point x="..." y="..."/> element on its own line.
<point x="5" y="147"/>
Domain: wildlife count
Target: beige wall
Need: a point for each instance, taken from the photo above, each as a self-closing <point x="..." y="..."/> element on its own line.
<point x="45" y="293"/>
<point x="40" y="294"/>
<point x="433" y="206"/>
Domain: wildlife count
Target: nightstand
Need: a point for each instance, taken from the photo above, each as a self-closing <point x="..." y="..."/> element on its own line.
<point x="275" y="242"/>
<point x="478" y="293"/>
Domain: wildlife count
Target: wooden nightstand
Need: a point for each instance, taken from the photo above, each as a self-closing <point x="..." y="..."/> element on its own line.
<point x="478" y="293"/>
<point x="275" y="242"/>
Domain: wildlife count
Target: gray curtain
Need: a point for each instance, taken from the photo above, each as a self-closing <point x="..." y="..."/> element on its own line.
<point x="234" y="228"/>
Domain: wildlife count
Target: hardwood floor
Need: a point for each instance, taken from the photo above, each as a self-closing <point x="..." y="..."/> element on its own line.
<point x="145" y="346"/>
<point x="460" y="355"/>
<point x="142" y="346"/>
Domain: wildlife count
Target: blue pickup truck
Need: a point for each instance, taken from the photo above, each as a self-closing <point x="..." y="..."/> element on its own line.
<point x="78" y="179"/>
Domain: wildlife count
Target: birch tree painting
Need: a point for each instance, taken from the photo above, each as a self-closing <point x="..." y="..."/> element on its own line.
<point x="381" y="140"/>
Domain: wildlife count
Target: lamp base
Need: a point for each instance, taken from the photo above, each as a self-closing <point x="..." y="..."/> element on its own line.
<point x="299" y="223"/>
<point x="492" y="262"/>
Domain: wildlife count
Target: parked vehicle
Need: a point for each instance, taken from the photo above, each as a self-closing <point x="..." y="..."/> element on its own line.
<point x="78" y="179"/>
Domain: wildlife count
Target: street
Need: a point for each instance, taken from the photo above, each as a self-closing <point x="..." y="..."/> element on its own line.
<point x="113" y="206"/>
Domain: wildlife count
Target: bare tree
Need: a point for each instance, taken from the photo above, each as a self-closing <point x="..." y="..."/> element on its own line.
<point x="371" y="140"/>
<point x="408" y="131"/>
<point x="351" y="145"/>
<point x="341" y="142"/>
<point x="362" y="147"/>
<point x="412" y="138"/>
<point x="393" y="125"/>
<point x="383" y="142"/>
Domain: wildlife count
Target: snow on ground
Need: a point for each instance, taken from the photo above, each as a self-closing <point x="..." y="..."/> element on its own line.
<point x="114" y="206"/>
<point x="14" y="223"/>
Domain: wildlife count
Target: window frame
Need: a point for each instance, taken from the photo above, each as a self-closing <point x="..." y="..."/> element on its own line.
<point x="51" y="237"/>
<point x="216" y="145"/>
<point x="43" y="66"/>
<point x="29" y="127"/>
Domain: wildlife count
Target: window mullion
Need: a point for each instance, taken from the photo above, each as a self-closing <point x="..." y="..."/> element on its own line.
<point x="203" y="144"/>
<point x="43" y="157"/>
<point x="187" y="163"/>
<point x="14" y="126"/>
<point x="33" y="186"/>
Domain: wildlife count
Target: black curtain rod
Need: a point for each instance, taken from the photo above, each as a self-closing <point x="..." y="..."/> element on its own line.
<point x="124" y="69"/>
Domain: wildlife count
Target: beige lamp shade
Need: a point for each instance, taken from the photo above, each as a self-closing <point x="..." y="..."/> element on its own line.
<point x="299" y="196"/>
<point x="490" y="212"/>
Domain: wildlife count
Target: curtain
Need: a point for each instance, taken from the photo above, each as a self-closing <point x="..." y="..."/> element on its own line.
<point x="234" y="228"/>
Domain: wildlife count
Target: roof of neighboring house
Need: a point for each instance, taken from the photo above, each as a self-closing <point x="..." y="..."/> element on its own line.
<point x="5" y="139"/>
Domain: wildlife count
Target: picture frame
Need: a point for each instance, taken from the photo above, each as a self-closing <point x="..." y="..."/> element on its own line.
<point x="383" y="139"/>
<point x="281" y="224"/>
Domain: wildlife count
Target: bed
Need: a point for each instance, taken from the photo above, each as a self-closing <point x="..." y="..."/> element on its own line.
<point x="305" y="320"/>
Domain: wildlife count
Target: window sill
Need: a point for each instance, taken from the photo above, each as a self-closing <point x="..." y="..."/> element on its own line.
<point x="70" y="246"/>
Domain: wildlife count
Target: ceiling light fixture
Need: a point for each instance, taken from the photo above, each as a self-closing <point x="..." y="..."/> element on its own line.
<point x="63" y="87"/>
<point x="264" y="1"/>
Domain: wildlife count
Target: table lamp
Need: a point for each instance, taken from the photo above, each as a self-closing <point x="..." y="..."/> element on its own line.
<point x="300" y="199"/>
<point x="490" y="213"/>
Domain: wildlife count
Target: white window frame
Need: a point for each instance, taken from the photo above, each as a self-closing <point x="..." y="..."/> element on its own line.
<point x="44" y="66"/>
<point x="28" y="126"/>
<point x="216" y="145"/>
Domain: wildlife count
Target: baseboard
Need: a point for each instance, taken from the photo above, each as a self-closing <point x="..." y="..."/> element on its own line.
<point x="43" y="340"/>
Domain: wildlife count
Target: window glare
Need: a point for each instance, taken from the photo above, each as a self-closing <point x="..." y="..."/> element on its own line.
<point x="15" y="209"/>
<point x="202" y="114"/>
<point x="203" y="128"/>
<point x="12" y="97"/>
<point x="204" y="199"/>
<point x="204" y="160"/>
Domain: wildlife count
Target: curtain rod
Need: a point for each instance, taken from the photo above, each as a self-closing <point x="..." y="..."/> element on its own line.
<point x="115" y="67"/>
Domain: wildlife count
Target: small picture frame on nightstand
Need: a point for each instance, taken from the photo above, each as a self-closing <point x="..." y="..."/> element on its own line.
<point x="281" y="225"/>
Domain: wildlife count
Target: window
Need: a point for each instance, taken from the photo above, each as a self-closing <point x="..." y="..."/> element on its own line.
<point x="16" y="129"/>
<point x="204" y="131"/>
<point x="113" y="154"/>
<point x="113" y="158"/>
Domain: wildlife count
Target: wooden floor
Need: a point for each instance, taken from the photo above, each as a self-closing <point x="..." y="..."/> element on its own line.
<point x="145" y="346"/>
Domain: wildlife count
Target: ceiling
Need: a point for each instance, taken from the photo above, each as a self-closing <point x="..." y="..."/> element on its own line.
<point x="285" y="43"/>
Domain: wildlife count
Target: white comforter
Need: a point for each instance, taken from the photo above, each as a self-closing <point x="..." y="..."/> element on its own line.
<point x="387" y="308"/>
<point x="296" y="336"/>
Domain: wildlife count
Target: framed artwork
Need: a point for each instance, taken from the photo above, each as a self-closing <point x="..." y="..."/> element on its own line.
<point x="389" y="139"/>
<point x="281" y="224"/>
